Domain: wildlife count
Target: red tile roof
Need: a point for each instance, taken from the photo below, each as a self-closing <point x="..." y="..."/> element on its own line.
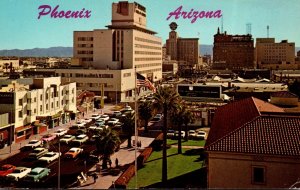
<point x="266" y="134"/>
<point x="230" y="117"/>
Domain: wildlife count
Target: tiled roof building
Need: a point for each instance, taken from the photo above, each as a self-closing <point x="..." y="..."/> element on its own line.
<point x="257" y="143"/>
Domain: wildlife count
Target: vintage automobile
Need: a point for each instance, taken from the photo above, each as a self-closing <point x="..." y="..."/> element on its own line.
<point x="60" y="132"/>
<point x="112" y="121"/>
<point x="104" y="117"/>
<point x="18" y="173"/>
<point x="32" y="144"/>
<point x="6" y="169"/>
<point x="48" y="137"/>
<point x="95" y="116"/>
<point x="49" y="157"/>
<point x="80" y="139"/>
<point x="67" y="139"/>
<point x="37" y="153"/>
<point x="37" y="174"/>
<point x="200" y="135"/>
<point x="73" y="152"/>
<point x="99" y="122"/>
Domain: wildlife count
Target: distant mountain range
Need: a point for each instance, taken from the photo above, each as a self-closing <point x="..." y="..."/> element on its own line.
<point x="39" y="52"/>
<point x="68" y="51"/>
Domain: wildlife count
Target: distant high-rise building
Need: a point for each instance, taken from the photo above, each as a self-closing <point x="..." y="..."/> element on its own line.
<point x="183" y="50"/>
<point x="271" y="55"/>
<point x="233" y="51"/>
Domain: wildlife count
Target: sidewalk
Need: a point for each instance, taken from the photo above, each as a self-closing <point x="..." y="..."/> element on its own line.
<point x="125" y="156"/>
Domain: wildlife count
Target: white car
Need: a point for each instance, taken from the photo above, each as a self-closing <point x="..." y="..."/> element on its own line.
<point x="112" y="121"/>
<point x="60" y="132"/>
<point x="18" y="173"/>
<point x="104" y="117"/>
<point x="170" y="133"/>
<point x="78" y="125"/>
<point x="176" y="134"/>
<point x="33" y="144"/>
<point x="80" y="139"/>
<point x="49" y="157"/>
<point x="192" y="133"/>
<point x="86" y="120"/>
<point x="66" y="139"/>
<point x="201" y="135"/>
<point x="95" y="116"/>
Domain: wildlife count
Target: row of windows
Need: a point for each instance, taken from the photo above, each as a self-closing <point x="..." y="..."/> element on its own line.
<point x="150" y="71"/>
<point x="148" y="65"/>
<point x="86" y="45"/>
<point x="29" y="112"/>
<point x="147" y="59"/>
<point x="53" y="94"/>
<point x="85" y="52"/>
<point x="147" y="53"/>
<point x="85" y="38"/>
<point x="80" y="75"/>
<point x="147" y="40"/>
<point x="87" y="59"/>
<point x="147" y="47"/>
<point x="94" y="85"/>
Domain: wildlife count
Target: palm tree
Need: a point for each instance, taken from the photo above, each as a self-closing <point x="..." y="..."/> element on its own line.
<point x="145" y="113"/>
<point x="188" y="117"/>
<point x="177" y="119"/>
<point x="128" y="126"/>
<point x="107" y="143"/>
<point x="165" y="99"/>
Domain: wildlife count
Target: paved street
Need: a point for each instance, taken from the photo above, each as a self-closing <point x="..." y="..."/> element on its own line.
<point x="106" y="178"/>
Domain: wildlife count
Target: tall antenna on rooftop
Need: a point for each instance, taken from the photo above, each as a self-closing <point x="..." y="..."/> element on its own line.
<point x="222" y="24"/>
<point x="248" y="28"/>
<point x="268" y="28"/>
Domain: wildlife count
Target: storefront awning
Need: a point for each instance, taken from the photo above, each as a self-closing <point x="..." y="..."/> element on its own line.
<point x="22" y="128"/>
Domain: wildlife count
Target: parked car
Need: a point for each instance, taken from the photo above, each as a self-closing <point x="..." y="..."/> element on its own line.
<point x="201" y="135"/>
<point x="170" y="133"/>
<point x="18" y="173"/>
<point x="49" y="157"/>
<point x="112" y="121"/>
<point x="86" y="120"/>
<point x="67" y="139"/>
<point x="104" y="117"/>
<point x="80" y="139"/>
<point x="126" y="108"/>
<point x="60" y="132"/>
<point x="33" y="144"/>
<point x="99" y="122"/>
<point x="78" y="125"/>
<point x="37" y="153"/>
<point x="73" y="152"/>
<point x="81" y="131"/>
<point x="6" y="169"/>
<point x="48" y="137"/>
<point x="37" y="174"/>
<point x="95" y="116"/>
<point x="176" y="134"/>
<point x="192" y="133"/>
<point x="116" y="114"/>
<point x="93" y="138"/>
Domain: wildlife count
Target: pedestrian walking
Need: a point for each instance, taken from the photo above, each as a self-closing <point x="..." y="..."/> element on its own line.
<point x="83" y="114"/>
<point x="95" y="177"/>
<point x="109" y="162"/>
<point x="140" y="143"/>
<point x="117" y="162"/>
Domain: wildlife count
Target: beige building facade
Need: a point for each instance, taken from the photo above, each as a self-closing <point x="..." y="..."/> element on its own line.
<point x="46" y="100"/>
<point x="274" y="56"/>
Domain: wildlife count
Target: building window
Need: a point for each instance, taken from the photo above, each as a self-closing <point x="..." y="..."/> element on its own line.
<point x="28" y="112"/>
<point x="73" y="100"/>
<point x="41" y="97"/>
<point x="20" y="102"/>
<point x="258" y="175"/>
<point x="62" y="102"/>
<point x="47" y="96"/>
<point x="52" y="105"/>
<point x="41" y="108"/>
<point x="47" y="107"/>
<point x="35" y="99"/>
<point x="21" y="133"/>
<point x="20" y="114"/>
<point x="56" y="103"/>
<point x="34" y="111"/>
<point x="52" y="94"/>
<point x="62" y="92"/>
<point x="29" y="100"/>
<point x="72" y="90"/>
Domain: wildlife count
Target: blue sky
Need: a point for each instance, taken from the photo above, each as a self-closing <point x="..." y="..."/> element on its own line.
<point x="20" y="28"/>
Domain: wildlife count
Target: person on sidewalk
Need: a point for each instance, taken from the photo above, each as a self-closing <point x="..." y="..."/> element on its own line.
<point x="95" y="177"/>
<point x="117" y="162"/>
<point x="109" y="162"/>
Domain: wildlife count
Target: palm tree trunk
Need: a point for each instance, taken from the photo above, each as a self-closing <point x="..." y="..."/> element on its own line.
<point x="129" y="141"/>
<point x="186" y="133"/>
<point x="164" y="156"/>
<point x="179" y="139"/>
<point x="146" y="126"/>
